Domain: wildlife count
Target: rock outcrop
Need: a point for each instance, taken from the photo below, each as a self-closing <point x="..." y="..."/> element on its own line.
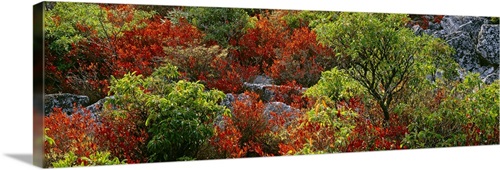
<point x="475" y="40"/>
<point x="263" y="86"/>
<point x="97" y="107"/>
<point x="65" y="101"/>
<point x="488" y="43"/>
<point x="73" y="103"/>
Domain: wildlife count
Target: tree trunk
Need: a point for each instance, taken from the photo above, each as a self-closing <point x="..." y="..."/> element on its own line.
<point x="385" y="109"/>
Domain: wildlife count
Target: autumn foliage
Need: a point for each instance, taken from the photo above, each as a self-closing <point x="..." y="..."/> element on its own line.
<point x="84" y="135"/>
<point x="139" y="49"/>
<point x="74" y="133"/>
<point x="168" y="74"/>
<point x="248" y="132"/>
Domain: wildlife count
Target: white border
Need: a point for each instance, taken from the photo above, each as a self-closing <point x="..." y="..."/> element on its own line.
<point x="16" y="90"/>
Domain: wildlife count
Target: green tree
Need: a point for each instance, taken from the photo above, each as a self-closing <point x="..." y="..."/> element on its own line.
<point x="380" y="53"/>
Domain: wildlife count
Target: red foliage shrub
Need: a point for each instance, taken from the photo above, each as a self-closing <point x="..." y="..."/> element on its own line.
<point x="73" y="133"/>
<point x="370" y="132"/>
<point x="424" y="20"/>
<point x="248" y="132"/>
<point x="283" y="53"/>
<point x="438" y="18"/>
<point x="291" y="93"/>
<point x="82" y="134"/>
<point x="123" y="137"/>
<point x="231" y="76"/>
<point x="258" y="46"/>
<point x="212" y="67"/>
<point x="301" y="59"/>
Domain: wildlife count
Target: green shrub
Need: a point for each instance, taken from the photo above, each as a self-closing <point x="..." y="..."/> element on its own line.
<point x="465" y="115"/>
<point x="179" y="115"/>
<point x="220" y="24"/>
<point x="99" y="158"/>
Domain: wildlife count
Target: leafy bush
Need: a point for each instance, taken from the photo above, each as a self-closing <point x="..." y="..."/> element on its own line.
<point x="179" y="114"/>
<point x="82" y="134"/>
<point x="462" y="116"/>
<point x="98" y="158"/>
<point x="221" y="25"/>
<point x="248" y="132"/>
<point x="197" y="62"/>
<point x="122" y="137"/>
<point x="211" y="67"/>
<point x="336" y="85"/>
<point x="324" y="129"/>
<point x="258" y="46"/>
<point x="73" y="133"/>
<point x="63" y="23"/>
<point x="301" y="59"/>
<point x="311" y="19"/>
<point x="282" y="53"/>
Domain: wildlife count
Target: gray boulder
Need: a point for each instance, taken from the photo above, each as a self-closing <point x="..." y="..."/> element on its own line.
<point x="67" y="102"/>
<point x="488" y="43"/>
<point x="228" y="100"/>
<point x="476" y="43"/>
<point x="465" y="51"/>
<point x="469" y="24"/>
<point x="281" y="109"/>
<point x="97" y="107"/>
<point x="418" y="30"/>
<point x="264" y="90"/>
<point x="263" y="79"/>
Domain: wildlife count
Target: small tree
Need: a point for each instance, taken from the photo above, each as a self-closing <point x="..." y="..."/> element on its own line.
<point x="380" y="53"/>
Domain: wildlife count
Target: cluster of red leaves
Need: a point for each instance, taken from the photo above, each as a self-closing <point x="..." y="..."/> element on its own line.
<point x="424" y="20"/>
<point x="301" y="59"/>
<point x="282" y="53"/>
<point x="211" y="67"/>
<point x="123" y="138"/>
<point x="82" y="134"/>
<point x="258" y="46"/>
<point x="248" y="132"/>
<point x="73" y="133"/>
<point x="121" y="13"/>
<point x="372" y="133"/>
<point x="231" y="76"/>
<point x="291" y="93"/>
